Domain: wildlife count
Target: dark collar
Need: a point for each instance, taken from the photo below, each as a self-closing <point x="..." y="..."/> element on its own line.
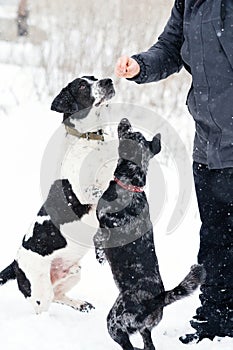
<point x="96" y="135"/>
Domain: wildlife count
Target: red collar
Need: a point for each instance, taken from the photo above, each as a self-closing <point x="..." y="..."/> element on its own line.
<point x="130" y="188"/>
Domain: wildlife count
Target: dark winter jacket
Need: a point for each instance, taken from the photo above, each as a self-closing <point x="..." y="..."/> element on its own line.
<point x="199" y="36"/>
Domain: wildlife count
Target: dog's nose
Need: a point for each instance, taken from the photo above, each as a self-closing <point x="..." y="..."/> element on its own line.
<point x="125" y="121"/>
<point x="38" y="302"/>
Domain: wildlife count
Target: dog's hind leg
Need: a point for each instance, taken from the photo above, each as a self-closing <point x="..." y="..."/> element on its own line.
<point x="33" y="278"/>
<point x="82" y="306"/>
<point x="116" y="331"/>
<point x="147" y="340"/>
<point x="121" y="338"/>
<point x="62" y="286"/>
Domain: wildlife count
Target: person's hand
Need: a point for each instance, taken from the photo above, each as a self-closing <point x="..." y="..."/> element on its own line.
<point x="126" y="67"/>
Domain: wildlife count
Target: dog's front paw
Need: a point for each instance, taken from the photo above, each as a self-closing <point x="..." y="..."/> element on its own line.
<point x="101" y="260"/>
<point x="100" y="255"/>
<point x="86" y="307"/>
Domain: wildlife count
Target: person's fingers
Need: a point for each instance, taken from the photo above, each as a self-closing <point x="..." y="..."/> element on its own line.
<point x="126" y="67"/>
<point x="133" y="68"/>
<point x="121" y="66"/>
<point x="124" y="63"/>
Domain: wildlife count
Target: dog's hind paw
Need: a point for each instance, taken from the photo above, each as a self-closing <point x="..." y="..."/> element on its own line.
<point x="86" y="307"/>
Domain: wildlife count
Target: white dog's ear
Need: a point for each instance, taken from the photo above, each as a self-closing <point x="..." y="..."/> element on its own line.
<point x="64" y="102"/>
<point x="155" y="144"/>
<point x="123" y="128"/>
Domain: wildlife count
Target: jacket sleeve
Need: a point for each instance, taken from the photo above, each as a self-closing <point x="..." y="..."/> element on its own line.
<point x="163" y="58"/>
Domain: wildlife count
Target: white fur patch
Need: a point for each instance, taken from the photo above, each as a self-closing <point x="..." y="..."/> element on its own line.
<point x="96" y="90"/>
<point x="37" y="270"/>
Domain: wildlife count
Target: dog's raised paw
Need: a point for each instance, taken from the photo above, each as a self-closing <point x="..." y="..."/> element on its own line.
<point x="86" y="307"/>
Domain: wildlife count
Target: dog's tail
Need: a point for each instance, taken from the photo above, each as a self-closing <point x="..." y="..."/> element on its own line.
<point x="190" y="283"/>
<point x="8" y="273"/>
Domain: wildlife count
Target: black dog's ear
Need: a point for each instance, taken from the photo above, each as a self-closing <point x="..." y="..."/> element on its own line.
<point x="123" y="128"/>
<point x="65" y="102"/>
<point x="155" y="144"/>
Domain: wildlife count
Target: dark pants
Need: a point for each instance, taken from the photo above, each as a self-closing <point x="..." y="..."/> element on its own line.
<point x="214" y="190"/>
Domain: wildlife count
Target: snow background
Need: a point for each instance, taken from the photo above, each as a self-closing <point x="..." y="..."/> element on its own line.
<point x="26" y="125"/>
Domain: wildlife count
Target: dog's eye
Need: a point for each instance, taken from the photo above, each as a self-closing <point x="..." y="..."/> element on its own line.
<point x="82" y="87"/>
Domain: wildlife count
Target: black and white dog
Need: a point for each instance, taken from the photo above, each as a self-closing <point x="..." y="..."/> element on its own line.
<point x="125" y="239"/>
<point x="47" y="264"/>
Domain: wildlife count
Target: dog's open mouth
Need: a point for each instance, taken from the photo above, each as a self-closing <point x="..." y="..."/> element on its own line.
<point x="103" y="99"/>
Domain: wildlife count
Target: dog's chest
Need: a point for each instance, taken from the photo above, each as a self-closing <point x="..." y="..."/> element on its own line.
<point x="88" y="164"/>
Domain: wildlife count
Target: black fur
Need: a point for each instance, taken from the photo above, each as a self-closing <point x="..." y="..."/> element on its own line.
<point x="45" y="240"/>
<point x="23" y="283"/>
<point x="8" y="273"/>
<point x="74" y="97"/>
<point x="125" y="239"/>
<point x="62" y="206"/>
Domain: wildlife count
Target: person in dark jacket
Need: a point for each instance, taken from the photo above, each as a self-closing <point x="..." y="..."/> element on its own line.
<point x="198" y="36"/>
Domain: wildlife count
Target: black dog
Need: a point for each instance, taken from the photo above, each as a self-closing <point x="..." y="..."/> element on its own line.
<point x="47" y="264"/>
<point x="125" y="238"/>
